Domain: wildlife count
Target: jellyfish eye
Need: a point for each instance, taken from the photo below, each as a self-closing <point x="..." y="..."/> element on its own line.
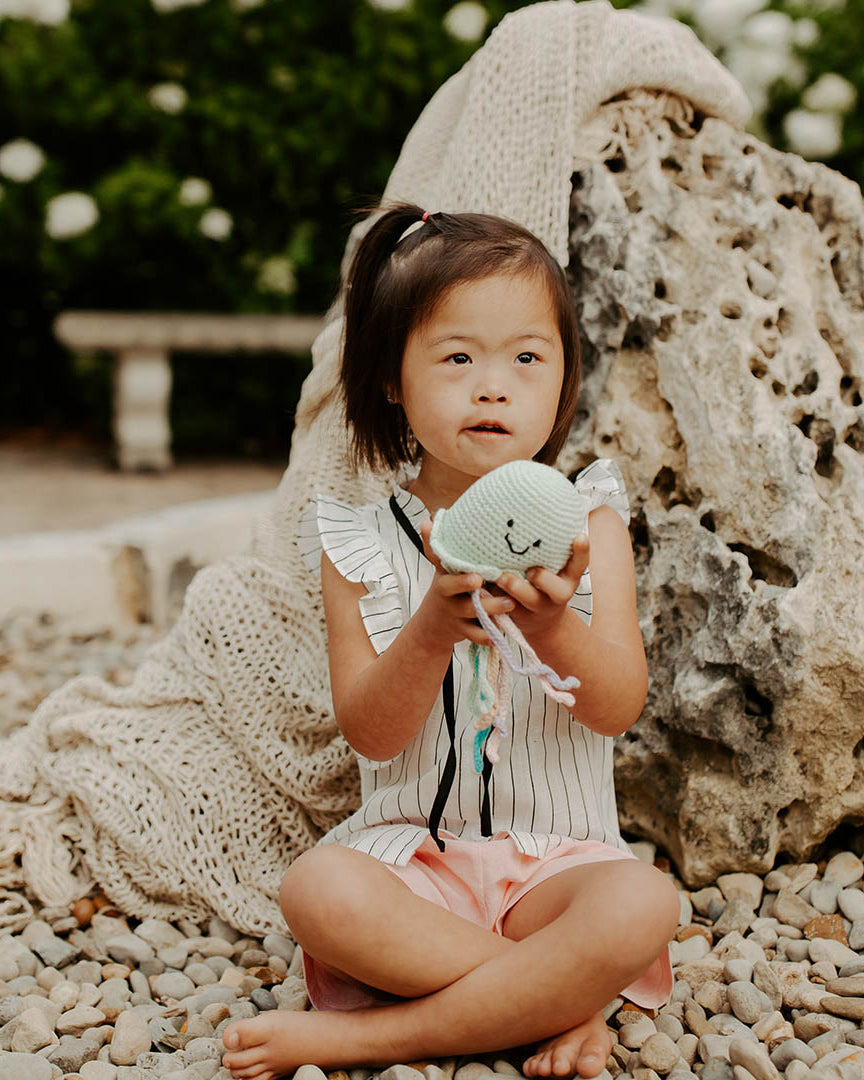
<point x="536" y="543"/>
<point x="510" y="523"/>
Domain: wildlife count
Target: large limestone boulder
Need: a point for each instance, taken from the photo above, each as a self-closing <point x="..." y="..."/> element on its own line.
<point x="720" y="286"/>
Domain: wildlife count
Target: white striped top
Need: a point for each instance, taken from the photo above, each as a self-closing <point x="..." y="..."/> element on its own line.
<point x="554" y="777"/>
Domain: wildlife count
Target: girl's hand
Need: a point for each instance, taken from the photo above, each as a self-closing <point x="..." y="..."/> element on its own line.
<point x="447" y="612"/>
<point x="542" y="599"/>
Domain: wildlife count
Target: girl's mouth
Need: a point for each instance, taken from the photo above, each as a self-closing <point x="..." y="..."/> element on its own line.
<point x="489" y="429"/>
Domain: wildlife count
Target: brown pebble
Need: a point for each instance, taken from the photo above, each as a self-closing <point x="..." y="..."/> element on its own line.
<point x="267" y="977"/>
<point x="628" y="1006"/>
<point x="83" y="911"/>
<point x="692" y="930"/>
<point x="826" y="926"/>
<point x="850" y="1007"/>
<point x="662" y="864"/>
<point x="852" y="986"/>
<point x="115" y="971"/>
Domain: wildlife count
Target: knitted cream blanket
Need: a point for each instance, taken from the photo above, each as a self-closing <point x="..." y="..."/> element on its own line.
<point x="190" y="791"/>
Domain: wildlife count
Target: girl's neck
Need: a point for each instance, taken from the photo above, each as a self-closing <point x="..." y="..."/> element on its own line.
<point x="439" y="488"/>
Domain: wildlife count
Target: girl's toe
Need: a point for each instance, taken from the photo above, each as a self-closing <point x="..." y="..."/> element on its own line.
<point x="592" y="1059"/>
<point x="544" y="1064"/>
<point x="255" y="1072"/>
<point x="241" y="1063"/>
<point x="561" y="1064"/>
<point x="242" y="1035"/>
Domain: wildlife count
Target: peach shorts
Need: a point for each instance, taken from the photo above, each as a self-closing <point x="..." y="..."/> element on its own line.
<point x="481" y="881"/>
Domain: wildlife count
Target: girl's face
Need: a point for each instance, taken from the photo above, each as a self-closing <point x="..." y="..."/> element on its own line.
<point x="481" y="380"/>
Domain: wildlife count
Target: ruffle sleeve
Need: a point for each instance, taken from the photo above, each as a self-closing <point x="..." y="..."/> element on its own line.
<point x="603" y="485"/>
<point x="351" y="540"/>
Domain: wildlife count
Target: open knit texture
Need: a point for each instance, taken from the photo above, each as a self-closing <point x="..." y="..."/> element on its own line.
<point x="190" y="791"/>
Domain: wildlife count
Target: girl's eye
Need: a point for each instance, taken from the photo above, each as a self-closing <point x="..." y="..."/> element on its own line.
<point x="526" y="358"/>
<point x="459" y="358"/>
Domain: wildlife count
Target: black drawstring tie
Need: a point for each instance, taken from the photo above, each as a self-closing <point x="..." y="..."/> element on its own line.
<point x="445" y="784"/>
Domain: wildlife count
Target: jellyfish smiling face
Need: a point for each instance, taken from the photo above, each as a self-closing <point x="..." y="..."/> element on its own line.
<point x="519" y="515"/>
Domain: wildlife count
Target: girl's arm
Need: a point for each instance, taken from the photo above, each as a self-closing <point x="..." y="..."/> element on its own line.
<point x="382" y="701"/>
<point x="608" y="657"/>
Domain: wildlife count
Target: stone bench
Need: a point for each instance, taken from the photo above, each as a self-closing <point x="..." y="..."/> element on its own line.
<point x="142" y="344"/>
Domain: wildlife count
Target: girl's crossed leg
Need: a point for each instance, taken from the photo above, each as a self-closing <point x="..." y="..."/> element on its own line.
<point x="466" y="989"/>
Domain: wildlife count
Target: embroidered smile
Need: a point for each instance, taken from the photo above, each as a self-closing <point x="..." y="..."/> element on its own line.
<point x="516" y="551"/>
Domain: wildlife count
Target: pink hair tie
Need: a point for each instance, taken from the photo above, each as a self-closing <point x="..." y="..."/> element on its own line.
<point x="415" y="225"/>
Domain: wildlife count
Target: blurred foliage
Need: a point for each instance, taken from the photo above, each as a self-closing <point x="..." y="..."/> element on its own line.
<point x="838" y="48"/>
<point x="295" y="113"/>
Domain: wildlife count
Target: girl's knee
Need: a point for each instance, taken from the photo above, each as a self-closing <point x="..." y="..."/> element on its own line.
<point x="321" y="887"/>
<point x="645" y="896"/>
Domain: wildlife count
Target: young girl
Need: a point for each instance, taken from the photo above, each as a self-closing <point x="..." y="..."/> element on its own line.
<point x="460" y="911"/>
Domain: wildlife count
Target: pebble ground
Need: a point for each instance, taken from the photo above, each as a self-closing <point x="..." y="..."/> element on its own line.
<point x="769" y="971"/>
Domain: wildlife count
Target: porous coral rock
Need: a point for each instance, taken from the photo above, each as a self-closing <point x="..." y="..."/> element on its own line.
<point x="720" y="289"/>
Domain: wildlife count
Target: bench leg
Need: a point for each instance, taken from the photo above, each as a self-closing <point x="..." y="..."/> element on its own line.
<point x="142" y="391"/>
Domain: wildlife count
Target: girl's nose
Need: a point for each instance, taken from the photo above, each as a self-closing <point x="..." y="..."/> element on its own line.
<point x="490" y="392"/>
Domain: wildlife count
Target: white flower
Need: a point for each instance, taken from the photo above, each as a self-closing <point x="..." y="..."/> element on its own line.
<point x="770" y="30"/>
<point x="216" y="224"/>
<point x="466" y="21"/>
<point x="170" y="97"/>
<point x="21" y="160"/>
<point x="52" y="12"/>
<point x="389" y="5"/>
<point x="276" y="275"/>
<point x="194" y="191"/>
<point x="70" y="215"/>
<point x="164" y="6"/>
<point x="720" y="20"/>
<point x="813" y="135"/>
<point x="830" y="93"/>
<point x="49" y="12"/>
<point x="805" y="32"/>
<point x="756" y="69"/>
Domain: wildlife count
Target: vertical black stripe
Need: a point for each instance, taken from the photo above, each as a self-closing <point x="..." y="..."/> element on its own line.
<point x="550" y="817"/>
<point x="528" y="758"/>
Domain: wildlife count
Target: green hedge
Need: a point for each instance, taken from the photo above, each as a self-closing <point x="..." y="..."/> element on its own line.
<point x="295" y="112"/>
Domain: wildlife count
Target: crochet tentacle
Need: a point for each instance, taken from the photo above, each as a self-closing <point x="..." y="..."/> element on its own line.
<point x="535" y="666"/>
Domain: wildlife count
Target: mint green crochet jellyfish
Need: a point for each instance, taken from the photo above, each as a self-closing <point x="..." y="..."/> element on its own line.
<point x="520" y="515"/>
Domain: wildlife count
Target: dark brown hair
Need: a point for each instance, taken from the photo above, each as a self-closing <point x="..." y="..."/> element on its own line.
<point x="393" y="286"/>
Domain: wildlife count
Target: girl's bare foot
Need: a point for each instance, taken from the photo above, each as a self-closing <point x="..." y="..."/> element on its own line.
<point x="582" y="1051"/>
<point x="273" y="1044"/>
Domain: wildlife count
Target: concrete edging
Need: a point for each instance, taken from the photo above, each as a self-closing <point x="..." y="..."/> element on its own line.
<point x="132" y="571"/>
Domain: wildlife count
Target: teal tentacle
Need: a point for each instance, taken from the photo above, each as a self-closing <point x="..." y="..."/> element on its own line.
<point x="481" y="695"/>
<point x="479" y="739"/>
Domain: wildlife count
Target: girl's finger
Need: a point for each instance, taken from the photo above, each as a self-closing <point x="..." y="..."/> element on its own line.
<point x="454" y="584"/>
<point x="492" y="605"/>
<point x="476" y="633"/>
<point x="558" y="588"/>
<point x="522" y="591"/>
<point x="577" y="564"/>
